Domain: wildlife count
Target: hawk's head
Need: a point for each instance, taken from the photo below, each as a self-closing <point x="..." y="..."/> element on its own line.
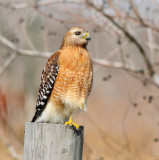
<point x="77" y="36"/>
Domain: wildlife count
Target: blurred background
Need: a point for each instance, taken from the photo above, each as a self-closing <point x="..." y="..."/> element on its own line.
<point x="122" y="121"/>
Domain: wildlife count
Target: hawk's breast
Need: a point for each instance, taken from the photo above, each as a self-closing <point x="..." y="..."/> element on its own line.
<point x="72" y="82"/>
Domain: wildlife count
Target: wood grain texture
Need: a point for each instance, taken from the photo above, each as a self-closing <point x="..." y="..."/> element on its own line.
<point x="46" y="141"/>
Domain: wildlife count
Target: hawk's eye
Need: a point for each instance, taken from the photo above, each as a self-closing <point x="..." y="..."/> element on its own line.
<point x="77" y="33"/>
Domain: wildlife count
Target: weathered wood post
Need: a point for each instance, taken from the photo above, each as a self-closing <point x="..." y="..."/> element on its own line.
<point x="46" y="141"/>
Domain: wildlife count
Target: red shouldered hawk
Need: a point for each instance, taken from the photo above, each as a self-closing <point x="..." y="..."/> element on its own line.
<point x="66" y="80"/>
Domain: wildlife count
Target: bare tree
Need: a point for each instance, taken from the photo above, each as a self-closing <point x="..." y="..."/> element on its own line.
<point x="133" y="31"/>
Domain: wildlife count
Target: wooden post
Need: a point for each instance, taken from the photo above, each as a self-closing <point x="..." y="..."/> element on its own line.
<point x="46" y="141"/>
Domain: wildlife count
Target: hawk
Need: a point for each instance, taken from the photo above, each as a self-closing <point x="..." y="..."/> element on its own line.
<point x="66" y="80"/>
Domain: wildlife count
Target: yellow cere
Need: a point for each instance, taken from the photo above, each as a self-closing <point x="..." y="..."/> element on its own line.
<point x="86" y="35"/>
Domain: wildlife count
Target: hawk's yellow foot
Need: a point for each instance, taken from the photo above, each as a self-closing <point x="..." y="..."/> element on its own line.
<point x="71" y="123"/>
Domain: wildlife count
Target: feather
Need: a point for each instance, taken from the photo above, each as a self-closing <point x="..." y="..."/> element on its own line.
<point x="48" y="78"/>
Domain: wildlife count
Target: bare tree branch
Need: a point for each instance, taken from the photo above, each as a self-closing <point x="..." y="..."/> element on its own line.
<point x="20" y="51"/>
<point x="105" y="63"/>
<point x="27" y="37"/>
<point x="141" y="20"/>
<point x="138" y="21"/>
<point x="36" y="6"/>
<point x="40" y="3"/>
<point x="117" y="65"/>
<point x="8" y="62"/>
<point x="129" y="36"/>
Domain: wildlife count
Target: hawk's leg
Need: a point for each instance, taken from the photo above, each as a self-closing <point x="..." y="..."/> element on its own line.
<point x="71" y="123"/>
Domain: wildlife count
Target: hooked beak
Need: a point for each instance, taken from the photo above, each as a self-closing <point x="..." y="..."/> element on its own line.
<point x="87" y="37"/>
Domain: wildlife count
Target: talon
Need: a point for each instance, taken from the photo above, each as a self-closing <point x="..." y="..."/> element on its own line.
<point x="76" y="125"/>
<point x="71" y="123"/>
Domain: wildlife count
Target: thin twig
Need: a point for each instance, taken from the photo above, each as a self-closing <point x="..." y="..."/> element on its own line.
<point x="27" y="37"/>
<point x="37" y="6"/>
<point x="117" y="65"/>
<point x="8" y="62"/>
<point x="138" y="21"/>
<point x="40" y="3"/>
<point x="141" y="20"/>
